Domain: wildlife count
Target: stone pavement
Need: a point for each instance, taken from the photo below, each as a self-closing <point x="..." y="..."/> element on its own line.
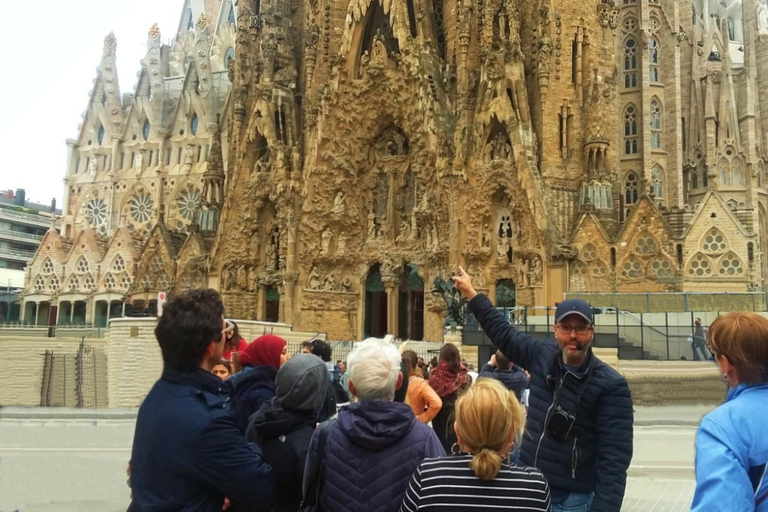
<point x="70" y="460"/>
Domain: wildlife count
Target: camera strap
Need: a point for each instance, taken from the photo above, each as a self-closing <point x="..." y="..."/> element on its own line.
<point x="560" y="378"/>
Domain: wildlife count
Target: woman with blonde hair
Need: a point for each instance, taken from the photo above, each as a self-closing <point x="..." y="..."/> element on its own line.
<point x="421" y="397"/>
<point x="731" y="444"/>
<point x="481" y="477"/>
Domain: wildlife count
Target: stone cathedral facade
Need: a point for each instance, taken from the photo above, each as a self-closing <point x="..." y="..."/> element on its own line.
<point x="354" y="151"/>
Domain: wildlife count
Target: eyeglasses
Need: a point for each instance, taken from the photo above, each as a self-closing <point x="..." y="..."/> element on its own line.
<point x="580" y="331"/>
<point x="229" y="327"/>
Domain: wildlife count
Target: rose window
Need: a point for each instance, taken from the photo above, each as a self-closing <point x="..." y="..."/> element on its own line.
<point x="730" y="265"/>
<point x="146" y="282"/>
<point x="53" y="284"/>
<point x="74" y="284"/>
<point x="579" y="269"/>
<point x="588" y="253"/>
<point x="164" y="282"/>
<point x="141" y="207"/>
<point x="109" y="282"/>
<point x="119" y="264"/>
<point x="47" y="266"/>
<point x="645" y="245"/>
<point x="82" y="265"/>
<point x="700" y="266"/>
<point x="599" y="269"/>
<point x="189" y="202"/>
<point x="714" y="242"/>
<point x="632" y="269"/>
<point x="156" y="264"/>
<point x="125" y="283"/>
<point x="661" y="267"/>
<point x="88" y="283"/>
<point x="39" y="284"/>
<point x="96" y="212"/>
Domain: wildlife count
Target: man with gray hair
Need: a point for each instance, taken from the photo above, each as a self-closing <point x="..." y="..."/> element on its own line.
<point x="371" y="452"/>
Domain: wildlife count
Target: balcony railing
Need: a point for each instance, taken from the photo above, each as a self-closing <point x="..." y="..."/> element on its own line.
<point x="37" y="219"/>
<point x="19" y="234"/>
<point x="16" y="254"/>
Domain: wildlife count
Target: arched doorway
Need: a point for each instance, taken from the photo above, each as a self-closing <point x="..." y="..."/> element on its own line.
<point x="375" y="304"/>
<point x="272" y="305"/>
<point x="410" y="314"/>
<point x="505" y="297"/>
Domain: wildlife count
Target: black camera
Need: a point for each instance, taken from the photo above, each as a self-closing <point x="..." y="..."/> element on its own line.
<point x="560" y="423"/>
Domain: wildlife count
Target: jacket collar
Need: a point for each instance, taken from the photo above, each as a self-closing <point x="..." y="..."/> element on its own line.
<point x="198" y="378"/>
<point x="744" y="388"/>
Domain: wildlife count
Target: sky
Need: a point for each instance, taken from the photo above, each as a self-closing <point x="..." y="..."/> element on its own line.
<point x="52" y="59"/>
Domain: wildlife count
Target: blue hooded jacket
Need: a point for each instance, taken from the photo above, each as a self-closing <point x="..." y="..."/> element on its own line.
<point x="732" y="454"/>
<point x="370" y="456"/>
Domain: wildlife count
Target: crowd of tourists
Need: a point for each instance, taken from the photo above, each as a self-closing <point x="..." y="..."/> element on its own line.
<point x="240" y="426"/>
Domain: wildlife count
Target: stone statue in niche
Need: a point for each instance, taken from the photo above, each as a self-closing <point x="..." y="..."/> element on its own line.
<point x="262" y="164"/>
<point x="371" y="225"/>
<point x="535" y="272"/>
<point x="242" y="278"/>
<point x="435" y="238"/>
<point x="346" y="285"/>
<point x="325" y="241"/>
<point x="330" y="282"/>
<point x="486" y="238"/>
<point x="502" y="247"/>
<point x="93" y="167"/>
<point x="341" y="245"/>
<point x="762" y="18"/>
<point x="138" y="162"/>
<point x="313" y="281"/>
<point x="188" y="156"/>
<point x="522" y="275"/>
<point x="488" y="153"/>
<point x="338" y="204"/>
<point x="270" y="256"/>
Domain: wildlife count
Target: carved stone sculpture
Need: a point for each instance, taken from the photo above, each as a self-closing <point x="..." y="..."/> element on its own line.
<point x="188" y="156"/>
<point x="329" y="283"/>
<point x="535" y="274"/>
<point x="138" y="163"/>
<point x="325" y="241"/>
<point x="313" y="281"/>
<point x="762" y="18"/>
<point x="93" y="167"/>
<point x="338" y="204"/>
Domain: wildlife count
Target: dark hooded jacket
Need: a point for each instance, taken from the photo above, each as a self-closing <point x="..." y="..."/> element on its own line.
<point x="251" y="387"/>
<point x="370" y="455"/>
<point x="283" y="426"/>
<point x="514" y="379"/>
<point x="598" y="449"/>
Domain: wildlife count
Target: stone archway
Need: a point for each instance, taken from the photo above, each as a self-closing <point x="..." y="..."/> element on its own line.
<point x="410" y="309"/>
<point x="375" y="304"/>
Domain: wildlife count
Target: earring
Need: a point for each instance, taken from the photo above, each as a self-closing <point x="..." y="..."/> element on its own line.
<point x="455" y="449"/>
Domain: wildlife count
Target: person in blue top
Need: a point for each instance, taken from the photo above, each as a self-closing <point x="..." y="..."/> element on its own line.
<point x="731" y="443"/>
<point x="579" y="426"/>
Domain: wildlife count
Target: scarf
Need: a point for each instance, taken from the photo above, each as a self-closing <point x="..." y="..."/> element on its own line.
<point x="444" y="382"/>
<point x="263" y="351"/>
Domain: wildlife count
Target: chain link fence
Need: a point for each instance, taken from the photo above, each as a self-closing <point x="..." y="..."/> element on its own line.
<point x="74" y="380"/>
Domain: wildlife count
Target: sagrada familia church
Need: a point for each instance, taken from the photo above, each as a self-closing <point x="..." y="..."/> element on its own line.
<point x="322" y="162"/>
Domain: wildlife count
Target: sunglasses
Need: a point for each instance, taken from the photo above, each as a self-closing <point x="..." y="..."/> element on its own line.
<point x="229" y="327"/>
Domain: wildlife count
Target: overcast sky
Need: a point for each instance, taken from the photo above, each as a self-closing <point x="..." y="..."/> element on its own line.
<point x="52" y="48"/>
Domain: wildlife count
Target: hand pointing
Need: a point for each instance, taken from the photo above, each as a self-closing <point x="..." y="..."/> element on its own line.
<point x="463" y="283"/>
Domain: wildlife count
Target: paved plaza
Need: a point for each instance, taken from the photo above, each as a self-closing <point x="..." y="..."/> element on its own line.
<point x="54" y="460"/>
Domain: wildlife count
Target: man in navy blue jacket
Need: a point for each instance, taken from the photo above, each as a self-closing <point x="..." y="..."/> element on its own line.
<point x="188" y="452"/>
<point x="505" y="371"/>
<point x="579" y="427"/>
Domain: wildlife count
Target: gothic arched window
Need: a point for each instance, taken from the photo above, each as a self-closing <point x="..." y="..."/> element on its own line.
<point x="145" y="129"/>
<point x="653" y="60"/>
<point x="100" y="135"/>
<point x="631" y="188"/>
<point x="193" y="125"/>
<point x="655" y="123"/>
<point x="657" y="182"/>
<point x="630" y="130"/>
<point x="630" y="62"/>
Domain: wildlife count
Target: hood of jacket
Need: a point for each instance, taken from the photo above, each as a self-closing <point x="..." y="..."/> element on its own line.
<point x="273" y="420"/>
<point x="376" y="425"/>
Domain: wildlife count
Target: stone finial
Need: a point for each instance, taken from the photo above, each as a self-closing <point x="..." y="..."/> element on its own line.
<point x="110" y="44"/>
<point x="202" y="22"/>
<point x="154" y="36"/>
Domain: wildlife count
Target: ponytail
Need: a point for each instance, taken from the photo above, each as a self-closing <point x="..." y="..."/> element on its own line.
<point x="486" y="464"/>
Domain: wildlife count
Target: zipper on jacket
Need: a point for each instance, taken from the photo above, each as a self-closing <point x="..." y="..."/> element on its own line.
<point x="543" y="431"/>
<point x="574" y="458"/>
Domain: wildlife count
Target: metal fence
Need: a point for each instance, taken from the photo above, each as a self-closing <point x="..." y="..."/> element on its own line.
<point x="651" y="336"/>
<point x="77" y="380"/>
<point x="341" y="349"/>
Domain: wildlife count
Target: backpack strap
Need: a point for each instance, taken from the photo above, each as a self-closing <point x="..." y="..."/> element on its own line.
<point x="312" y="500"/>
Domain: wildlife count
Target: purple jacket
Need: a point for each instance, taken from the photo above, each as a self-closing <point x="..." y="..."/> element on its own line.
<point x="370" y="455"/>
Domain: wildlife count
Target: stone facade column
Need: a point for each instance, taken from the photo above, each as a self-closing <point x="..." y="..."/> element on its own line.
<point x="390" y="285"/>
